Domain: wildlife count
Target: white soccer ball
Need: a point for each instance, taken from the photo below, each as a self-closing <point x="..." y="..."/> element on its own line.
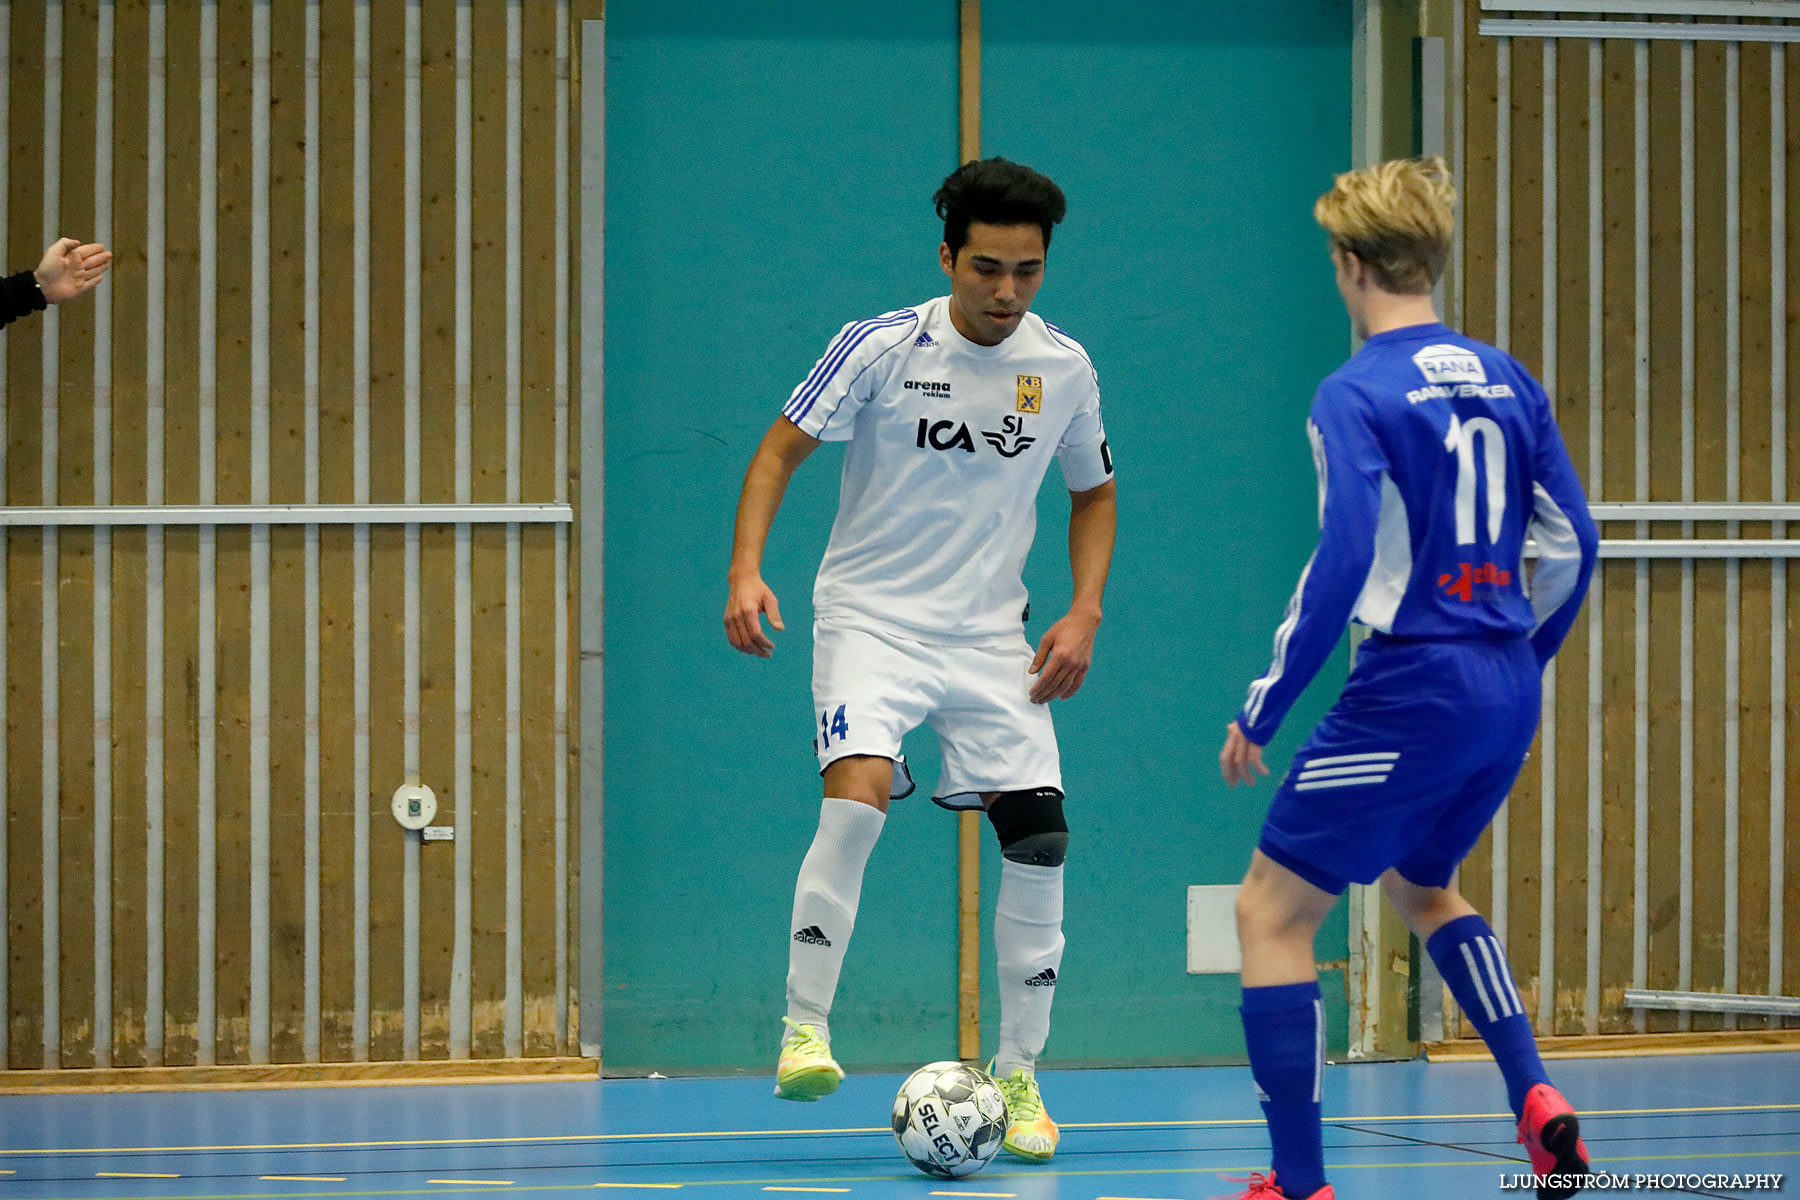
<point x="949" y="1119"/>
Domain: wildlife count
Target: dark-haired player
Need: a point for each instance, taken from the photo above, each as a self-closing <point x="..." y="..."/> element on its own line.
<point x="1437" y="456"/>
<point x="953" y="410"/>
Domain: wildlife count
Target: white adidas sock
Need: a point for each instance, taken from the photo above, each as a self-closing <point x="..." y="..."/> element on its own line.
<point x="1028" y="947"/>
<point x="825" y="899"/>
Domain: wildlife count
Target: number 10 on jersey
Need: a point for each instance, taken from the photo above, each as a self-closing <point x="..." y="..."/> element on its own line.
<point x="833" y="725"/>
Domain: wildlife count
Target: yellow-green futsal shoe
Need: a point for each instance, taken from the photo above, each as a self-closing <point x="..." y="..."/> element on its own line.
<point x="1030" y="1133"/>
<point x="806" y="1070"/>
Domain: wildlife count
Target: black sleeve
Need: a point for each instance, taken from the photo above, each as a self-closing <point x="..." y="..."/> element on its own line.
<point x="19" y="297"/>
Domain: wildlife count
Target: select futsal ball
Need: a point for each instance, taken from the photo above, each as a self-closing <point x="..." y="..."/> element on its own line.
<point x="949" y="1119"/>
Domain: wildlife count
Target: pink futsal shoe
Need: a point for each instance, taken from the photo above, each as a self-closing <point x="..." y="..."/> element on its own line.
<point x="1263" y="1187"/>
<point x="1551" y="1132"/>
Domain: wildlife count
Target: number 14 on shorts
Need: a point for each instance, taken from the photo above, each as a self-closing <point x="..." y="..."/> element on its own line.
<point x="833" y="725"/>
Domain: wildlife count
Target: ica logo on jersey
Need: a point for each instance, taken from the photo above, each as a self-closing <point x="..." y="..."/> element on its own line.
<point x="1009" y="441"/>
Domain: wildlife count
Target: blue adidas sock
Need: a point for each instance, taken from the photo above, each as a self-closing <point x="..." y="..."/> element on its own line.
<point x="1469" y="957"/>
<point x="1284" y="1027"/>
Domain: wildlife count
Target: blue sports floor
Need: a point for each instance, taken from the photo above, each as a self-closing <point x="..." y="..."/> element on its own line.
<point x="1393" y="1131"/>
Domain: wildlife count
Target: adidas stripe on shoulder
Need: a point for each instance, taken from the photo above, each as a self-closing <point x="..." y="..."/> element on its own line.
<point x="839" y="365"/>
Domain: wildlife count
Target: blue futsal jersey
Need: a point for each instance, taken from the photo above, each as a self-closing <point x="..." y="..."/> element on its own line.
<point x="1437" y="457"/>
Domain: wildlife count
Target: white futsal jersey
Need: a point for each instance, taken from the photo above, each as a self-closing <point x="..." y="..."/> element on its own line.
<point x="949" y="442"/>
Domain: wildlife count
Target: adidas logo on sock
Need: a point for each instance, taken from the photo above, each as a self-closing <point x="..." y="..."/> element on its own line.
<point x="812" y="935"/>
<point x="1044" y="978"/>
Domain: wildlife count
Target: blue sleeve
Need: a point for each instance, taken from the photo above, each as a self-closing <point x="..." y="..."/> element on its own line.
<point x="1350" y="462"/>
<point x="1566" y="537"/>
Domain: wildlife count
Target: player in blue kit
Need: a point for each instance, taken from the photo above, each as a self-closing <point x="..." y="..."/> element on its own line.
<point x="1437" y="457"/>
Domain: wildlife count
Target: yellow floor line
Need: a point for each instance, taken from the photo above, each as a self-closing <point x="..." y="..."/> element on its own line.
<point x="133" y="1175"/>
<point x="305" y="1178"/>
<point x="1491" y="1164"/>
<point x="1219" y="1122"/>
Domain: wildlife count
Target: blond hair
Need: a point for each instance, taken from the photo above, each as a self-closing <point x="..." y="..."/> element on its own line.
<point x="1397" y="217"/>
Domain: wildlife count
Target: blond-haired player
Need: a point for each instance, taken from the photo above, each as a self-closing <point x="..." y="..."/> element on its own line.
<point x="1437" y="456"/>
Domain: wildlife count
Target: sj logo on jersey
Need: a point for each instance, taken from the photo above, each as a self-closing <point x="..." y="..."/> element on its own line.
<point x="1011" y="428"/>
<point x="1031" y="393"/>
<point x="1464" y="586"/>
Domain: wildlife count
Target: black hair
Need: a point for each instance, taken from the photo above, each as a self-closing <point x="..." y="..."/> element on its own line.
<point x="996" y="191"/>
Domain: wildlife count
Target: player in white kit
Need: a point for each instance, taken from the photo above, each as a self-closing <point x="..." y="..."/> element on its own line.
<point x="953" y="410"/>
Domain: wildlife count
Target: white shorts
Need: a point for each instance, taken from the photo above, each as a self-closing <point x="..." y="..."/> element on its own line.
<point x="871" y="689"/>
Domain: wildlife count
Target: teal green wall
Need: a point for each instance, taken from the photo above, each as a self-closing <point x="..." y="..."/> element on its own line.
<point x="1191" y="139"/>
<point x="769" y="169"/>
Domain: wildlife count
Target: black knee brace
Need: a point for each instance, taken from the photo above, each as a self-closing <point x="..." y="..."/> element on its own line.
<point x="1030" y="826"/>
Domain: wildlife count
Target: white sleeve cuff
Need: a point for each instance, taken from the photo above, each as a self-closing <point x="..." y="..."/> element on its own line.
<point x="1087" y="466"/>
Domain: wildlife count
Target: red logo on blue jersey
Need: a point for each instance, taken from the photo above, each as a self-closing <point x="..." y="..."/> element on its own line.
<point x="1464" y="587"/>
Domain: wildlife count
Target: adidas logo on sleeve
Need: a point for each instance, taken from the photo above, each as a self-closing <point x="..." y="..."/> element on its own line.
<point x="812" y="935"/>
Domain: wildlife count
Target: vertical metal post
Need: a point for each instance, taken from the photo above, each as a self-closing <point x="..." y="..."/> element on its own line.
<point x="1778" y="469"/>
<point x="410" y="649"/>
<point x="560" y="438"/>
<point x="310" y="1034"/>
<point x="1685" y="958"/>
<point x="103" y="577"/>
<point x="259" y="535"/>
<point x="1596" y="756"/>
<point x="1640" y="891"/>
<point x="1733" y="455"/>
<point x="1501" y="833"/>
<point x="1546" y="1006"/>
<point x="593" y="530"/>
<point x="207" y="671"/>
<point x="515" y="755"/>
<point x="968" y="827"/>
<point x="360" y="533"/>
<point x="50" y="694"/>
<point x="155" y="249"/>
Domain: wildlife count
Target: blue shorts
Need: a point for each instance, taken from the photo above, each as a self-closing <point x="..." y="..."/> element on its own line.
<point x="1410" y="764"/>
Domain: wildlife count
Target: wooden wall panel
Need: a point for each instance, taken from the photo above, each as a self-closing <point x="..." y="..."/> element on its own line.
<point x="1755" y="281"/>
<point x="1574" y="396"/>
<point x="1524" y="330"/>
<point x="1665" y="485"/>
<point x="233" y="579"/>
<point x="337" y="388"/>
<point x="488" y="816"/>
<point x="130" y="305"/>
<point x="24" y="565"/>
<point x="185" y="922"/>
<point x="1618" y="812"/>
<point x="1710" y="440"/>
<point x="537" y="359"/>
<point x="387" y="613"/>
<point x="181" y="455"/>
<point x="437" y="483"/>
<point x="1477" y="186"/>
<point x="75" y="558"/>
<point x="1715" y="379"/>
<point x="287" y="545"/>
